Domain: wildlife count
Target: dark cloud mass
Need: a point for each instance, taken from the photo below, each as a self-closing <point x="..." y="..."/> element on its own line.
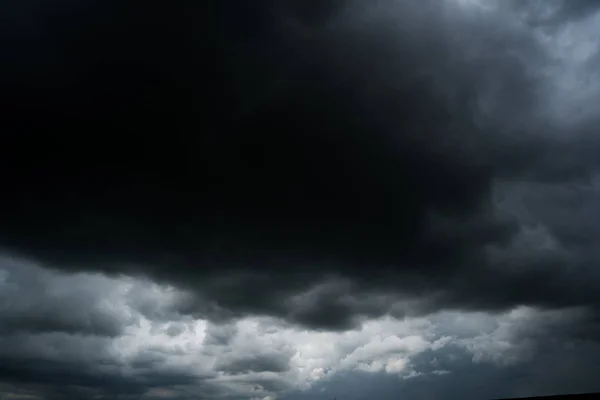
<point x="288" y="140"/>
<point x="324" y="163"/>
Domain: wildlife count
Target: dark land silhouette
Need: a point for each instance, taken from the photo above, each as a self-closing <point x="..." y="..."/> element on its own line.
<point x="586" y="396"/>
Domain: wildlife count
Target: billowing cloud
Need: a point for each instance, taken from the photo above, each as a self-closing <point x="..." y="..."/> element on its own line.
<point x="244" y="201"/>
<point x="257" y="357"/>
<point x="34" y="300"/>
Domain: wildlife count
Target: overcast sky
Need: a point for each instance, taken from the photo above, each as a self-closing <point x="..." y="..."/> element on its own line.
<point x="299" y="199"/>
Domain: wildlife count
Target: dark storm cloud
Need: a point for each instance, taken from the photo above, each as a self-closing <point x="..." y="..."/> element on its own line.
<point x="251" y="153"/>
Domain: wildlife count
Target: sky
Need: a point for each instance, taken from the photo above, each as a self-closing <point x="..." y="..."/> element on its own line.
<point x="293" y="200"/>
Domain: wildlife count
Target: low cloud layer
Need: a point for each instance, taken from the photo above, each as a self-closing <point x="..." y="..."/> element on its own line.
<point x="246" y="201"/>
<point x="520" y="352"/>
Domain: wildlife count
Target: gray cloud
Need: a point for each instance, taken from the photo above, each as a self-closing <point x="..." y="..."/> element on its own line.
<point x="559" y="364"/>
<point x="273" y="362"/>
<point x="33" y="300"/>
<point x="442" y="354"/>
<point x="219" y="334"/>
<point x="345" y="192"/>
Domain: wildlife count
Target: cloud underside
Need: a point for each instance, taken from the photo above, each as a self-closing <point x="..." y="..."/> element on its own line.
<point x="422" y="142"/>
<point x="332" y="165"/>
